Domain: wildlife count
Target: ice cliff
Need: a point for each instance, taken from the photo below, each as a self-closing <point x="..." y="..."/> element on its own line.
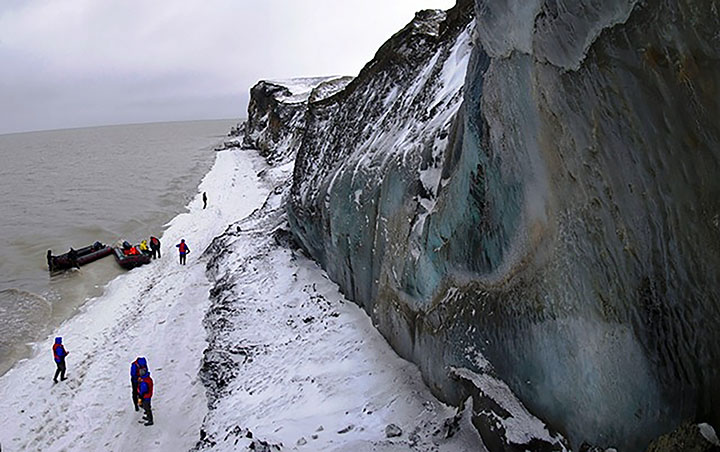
<point x="276" y="113"/>
<point x="524" y="197"/>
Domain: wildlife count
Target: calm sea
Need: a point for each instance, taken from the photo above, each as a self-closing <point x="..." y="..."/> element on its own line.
<point x="66" y="188"/>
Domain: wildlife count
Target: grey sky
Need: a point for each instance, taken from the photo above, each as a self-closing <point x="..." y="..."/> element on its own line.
<point x="72" y="63"/>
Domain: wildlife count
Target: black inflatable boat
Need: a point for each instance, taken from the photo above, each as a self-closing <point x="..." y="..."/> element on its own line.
<point x="76" y="258"/>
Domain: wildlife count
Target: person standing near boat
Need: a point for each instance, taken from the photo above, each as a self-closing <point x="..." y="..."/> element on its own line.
<point x="155" y="246"/>
<point x="183" y="250"/>
<point x="145" y="393"/>
<point x="73" y="256"/>
<point x="59" y="354"/>
<point x="135" y="368"/>
<point x="50" y="260"/>
<point x="204" y="200"/>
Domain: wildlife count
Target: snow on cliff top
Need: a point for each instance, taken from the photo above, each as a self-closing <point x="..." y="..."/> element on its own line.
<point x="301" y="88"/>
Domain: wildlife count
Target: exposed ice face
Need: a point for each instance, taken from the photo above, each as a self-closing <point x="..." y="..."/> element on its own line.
<point x="383" y="134"/>
<point x="506" y="26"/>
<point x="562" y="222"/>
<point x="559" y="32"/>
<point x="598" y="305"/>
<point x="565" y="29"/>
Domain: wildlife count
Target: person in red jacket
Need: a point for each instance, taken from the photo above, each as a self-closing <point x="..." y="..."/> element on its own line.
<point x="155" y="246"/>
<point x="145" y="393"/>
<point x="183" y="249"/>
<point x="59" y="354"/>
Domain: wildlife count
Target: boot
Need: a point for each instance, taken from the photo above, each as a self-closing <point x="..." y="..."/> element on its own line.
<point x="149" y="423"/>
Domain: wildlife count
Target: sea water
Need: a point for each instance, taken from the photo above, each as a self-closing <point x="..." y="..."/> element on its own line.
<point x="73" y="187"/>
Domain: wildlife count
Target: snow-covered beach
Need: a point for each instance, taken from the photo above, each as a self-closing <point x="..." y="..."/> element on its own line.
<point x="309" y="370"/>
<point x="154" y="311"/>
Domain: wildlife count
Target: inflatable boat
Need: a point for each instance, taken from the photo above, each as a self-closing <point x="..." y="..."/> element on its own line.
<point x="129" y="261"/>
<point x="82" y="256"/>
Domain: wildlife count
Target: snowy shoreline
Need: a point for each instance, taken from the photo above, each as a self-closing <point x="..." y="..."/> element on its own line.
<point x="155" y="311"/>
<point x="289" y="362"/>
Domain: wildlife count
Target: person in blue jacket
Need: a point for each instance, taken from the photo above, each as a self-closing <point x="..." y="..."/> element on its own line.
<point x="59" y="354"/>
<point x="183" y="249"/>
<point x="139" y="363"/>
<point x="145" y="393"/>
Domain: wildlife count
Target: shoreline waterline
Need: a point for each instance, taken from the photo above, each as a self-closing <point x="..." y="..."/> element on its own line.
<point x="156" y="311"/>
<point x="167" y="163"/>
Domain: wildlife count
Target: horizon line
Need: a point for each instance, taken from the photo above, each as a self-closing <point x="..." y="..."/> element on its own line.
<point x="239" y="119"/>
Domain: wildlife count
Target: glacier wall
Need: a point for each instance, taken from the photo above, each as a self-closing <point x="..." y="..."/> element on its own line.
<point x="372" y="154"/>
<point x="601" y="117"/>
<point x="535" y="202"/>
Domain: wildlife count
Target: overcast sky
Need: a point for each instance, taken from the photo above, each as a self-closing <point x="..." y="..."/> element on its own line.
<point x="74" y="63"/>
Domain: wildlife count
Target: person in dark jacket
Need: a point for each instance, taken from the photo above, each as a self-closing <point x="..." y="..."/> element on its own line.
<point x="59" y="354"/>
<point x="145" y="393"/>
<point x="155" y="246"/>
<point x="184" y="250"/>
<point x="73" y="256"/>
<point x="137" y="365"/>
<point x="204" y="200"/>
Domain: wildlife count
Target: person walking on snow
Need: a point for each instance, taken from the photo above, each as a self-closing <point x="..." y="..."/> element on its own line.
<point x="204" y="200"/>
<point x="135" y="367"/>
<point x="145" y="393"/>
<point x="184" y="250"/>
<point x="155" y="246"/>
<point x="59" y="353"/>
